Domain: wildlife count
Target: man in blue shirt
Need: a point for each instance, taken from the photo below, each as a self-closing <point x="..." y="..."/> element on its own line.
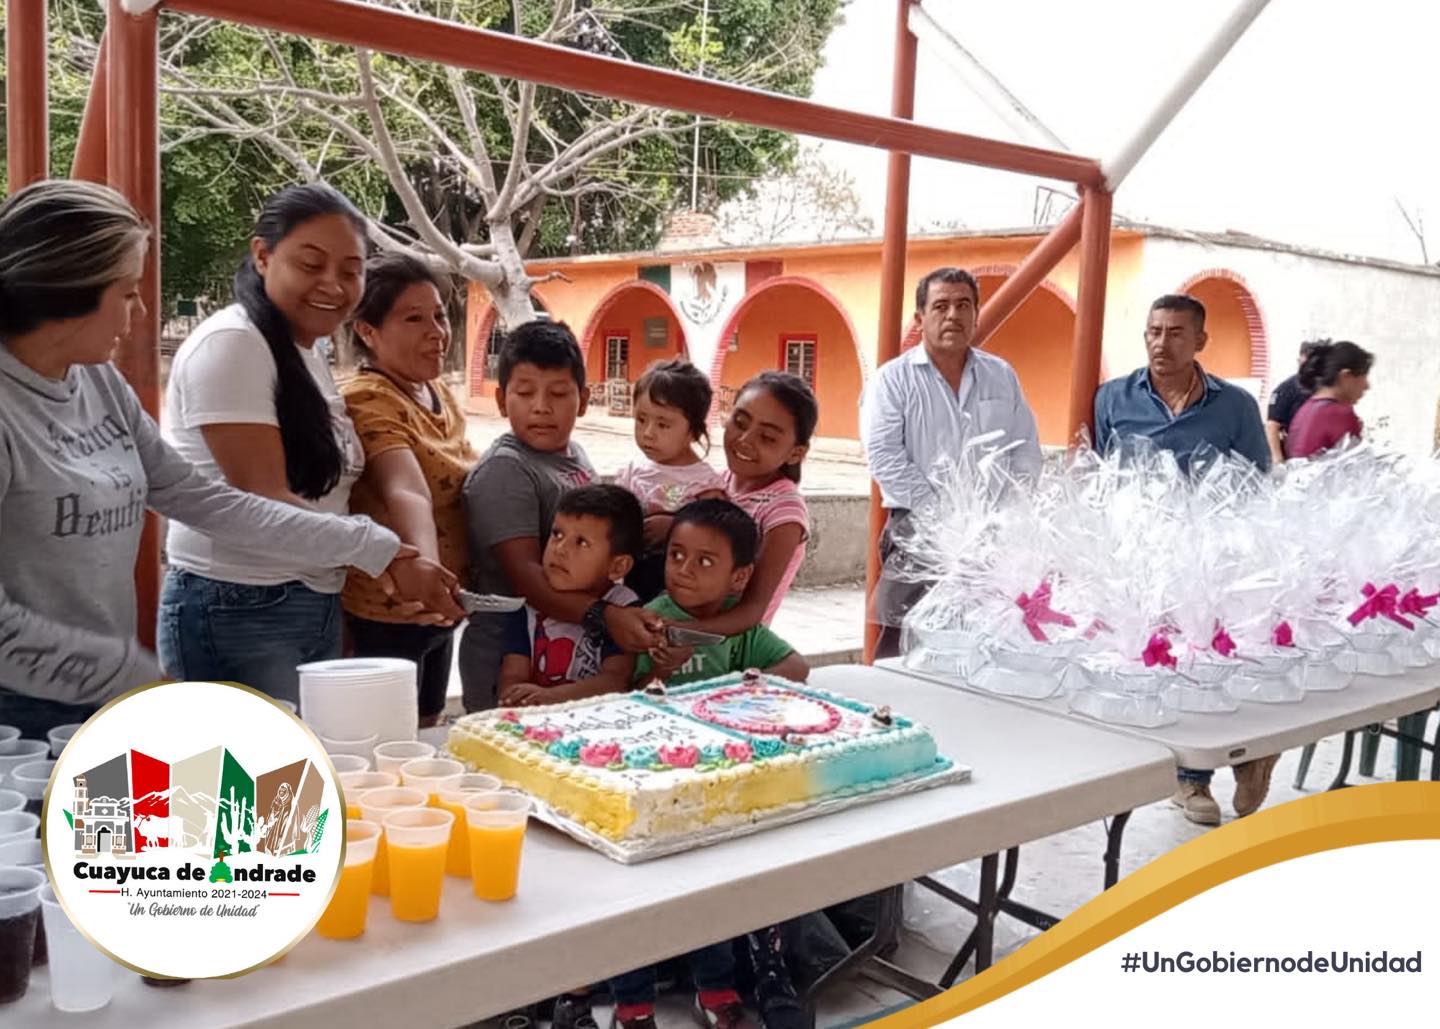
<point x="1173" y="401"/>
<point x="1176" y="405"/>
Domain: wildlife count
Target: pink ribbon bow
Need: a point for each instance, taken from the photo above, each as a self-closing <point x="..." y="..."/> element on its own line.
<point x="1418" y="604"/>
<point x="1283" y="636"/>
<point x="1038" y="612"/>
<point x="1221" y="643"/>
<point x="1380" y="603"/>
<point x="1157" y="652"/>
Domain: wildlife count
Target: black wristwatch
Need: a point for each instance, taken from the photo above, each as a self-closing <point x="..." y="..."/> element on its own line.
<point x="594" y="621"/>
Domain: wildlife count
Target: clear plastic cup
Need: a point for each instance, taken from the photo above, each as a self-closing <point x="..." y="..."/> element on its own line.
<point x="390" y="756"/>
<point x="433" y="775"/>
<point x="361" y="746"/>
<point x="59" y="736"/>
<point x="496" y="825"/>
<point x="416" y="840"/>
<point x="82" y="978"/>
<point x="22" y="854"/>
<point x="344" y="918"/>
<point x="353" y="784"/>
<point x="8" y="733"/>
<point x="19" y="825"/>
<point x="457" y="858"/>
<point x="28" y="854"/>
<point x="20" y="752"/>
<point x="31" y="780"/>
<point x="374" y="806"/>
<point x="11" y="800"/>
<point x="349" y="763"/>
<point x="19" y="913"/>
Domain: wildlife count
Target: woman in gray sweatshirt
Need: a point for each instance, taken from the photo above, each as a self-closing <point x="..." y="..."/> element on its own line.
<point x="81" y="461"/>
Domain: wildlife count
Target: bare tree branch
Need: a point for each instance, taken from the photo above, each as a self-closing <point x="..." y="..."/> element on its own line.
<point x="487" y="272"/>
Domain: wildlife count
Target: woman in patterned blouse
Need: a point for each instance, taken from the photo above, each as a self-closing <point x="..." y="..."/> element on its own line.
<point x="416" y="459"/>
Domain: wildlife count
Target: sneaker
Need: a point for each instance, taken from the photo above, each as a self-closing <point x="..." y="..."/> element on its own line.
<point x="1252" y="783"/>
<point x="573" y="1012"/>
<point x="637" y="1019"/>
<point x="727" y="1016"/>
<point x="778" y="1004"/>
<point x="1194" y="799"/>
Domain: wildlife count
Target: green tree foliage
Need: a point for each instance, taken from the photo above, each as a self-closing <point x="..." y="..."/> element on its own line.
<point x="477" y="172"/>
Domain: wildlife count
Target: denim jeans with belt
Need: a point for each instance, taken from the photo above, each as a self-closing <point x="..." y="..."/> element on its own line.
<point x="255" y="635"/>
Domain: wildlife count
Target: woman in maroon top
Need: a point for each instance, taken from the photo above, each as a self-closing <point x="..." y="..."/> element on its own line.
<point x="1339" y="375"/>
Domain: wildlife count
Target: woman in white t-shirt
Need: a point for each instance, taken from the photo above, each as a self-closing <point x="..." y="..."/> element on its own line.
<point x="251" y="399"/>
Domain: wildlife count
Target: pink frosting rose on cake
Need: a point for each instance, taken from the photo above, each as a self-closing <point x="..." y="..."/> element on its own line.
<point x="543" y="733"/>
<point x="739" y="751"/>
<point x="680" y="755"/>
<point x="599" y="755"/>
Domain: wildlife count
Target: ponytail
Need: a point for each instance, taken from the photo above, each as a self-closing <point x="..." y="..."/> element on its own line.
<point x="313" y="462"/>
<point x="1326" y="360"/>
<point x="312" y="455"/>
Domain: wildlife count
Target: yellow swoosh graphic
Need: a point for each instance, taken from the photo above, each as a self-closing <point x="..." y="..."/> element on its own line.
<point x="1377" y="813"/>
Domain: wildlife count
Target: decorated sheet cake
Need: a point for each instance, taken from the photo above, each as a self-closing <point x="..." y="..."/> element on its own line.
<point x="638" y="775"/>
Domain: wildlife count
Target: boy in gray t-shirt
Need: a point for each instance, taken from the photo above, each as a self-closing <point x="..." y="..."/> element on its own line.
<point x="510" y="502"/>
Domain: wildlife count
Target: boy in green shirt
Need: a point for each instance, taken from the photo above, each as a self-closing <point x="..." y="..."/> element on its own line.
<point x="709" y="558"/>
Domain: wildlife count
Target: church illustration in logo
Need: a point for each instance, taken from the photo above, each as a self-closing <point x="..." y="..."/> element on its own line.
<point x="207" y="803"/>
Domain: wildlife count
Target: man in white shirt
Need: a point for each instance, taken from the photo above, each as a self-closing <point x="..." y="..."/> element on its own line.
<point x="919" y="410"/>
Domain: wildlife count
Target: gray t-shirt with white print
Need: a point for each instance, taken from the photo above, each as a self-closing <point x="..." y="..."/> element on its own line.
<point x="80" y="461"/>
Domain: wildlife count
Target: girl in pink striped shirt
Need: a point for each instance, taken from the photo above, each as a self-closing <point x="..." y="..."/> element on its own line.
<point x="766" y="439"/>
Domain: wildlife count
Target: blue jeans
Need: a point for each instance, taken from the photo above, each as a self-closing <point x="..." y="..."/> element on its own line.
<point x="712" y="968"/>
<point x="255" y="635"/>
<point x="1198" y="776"/>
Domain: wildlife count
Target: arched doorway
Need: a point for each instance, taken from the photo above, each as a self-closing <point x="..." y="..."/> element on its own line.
<point x="633" y="325"/>
<point x="485" y="335"/>
<point x="1238" y="348"/>
<point x="795" y="324"/>
<point x="1037" y="341"/>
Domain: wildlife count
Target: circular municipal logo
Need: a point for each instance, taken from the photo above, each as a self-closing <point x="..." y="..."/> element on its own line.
<point x="194" y="830"/>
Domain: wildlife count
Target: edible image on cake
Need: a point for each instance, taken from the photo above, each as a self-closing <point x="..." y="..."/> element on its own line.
<point x="767" y="710"/>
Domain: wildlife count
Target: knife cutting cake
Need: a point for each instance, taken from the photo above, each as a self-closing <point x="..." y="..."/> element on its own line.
<point x="727" y="751"/>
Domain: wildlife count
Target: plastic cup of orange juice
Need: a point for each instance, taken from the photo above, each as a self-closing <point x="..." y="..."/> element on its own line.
<point x="344" y="919"/>
<point x="416" y="839"/>
<point x="375" y="805"/>
<point x="431" y="774"/>
<point x="457" y="857"/>
<point x="352" y="784"/>
<point x="496" y="824"/>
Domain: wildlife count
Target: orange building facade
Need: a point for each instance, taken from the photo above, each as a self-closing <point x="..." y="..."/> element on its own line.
<point x="813" y="310"/>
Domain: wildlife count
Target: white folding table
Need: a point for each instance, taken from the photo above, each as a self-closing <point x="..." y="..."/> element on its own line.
<point x="1255" y="730"/>
<point x="580" y="917"/>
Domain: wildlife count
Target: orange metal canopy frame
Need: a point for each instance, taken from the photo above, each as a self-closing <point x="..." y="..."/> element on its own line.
<point x="121" y="121"/>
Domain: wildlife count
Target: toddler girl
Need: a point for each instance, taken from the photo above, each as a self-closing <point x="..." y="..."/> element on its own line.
<point x="672" y="401"/>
